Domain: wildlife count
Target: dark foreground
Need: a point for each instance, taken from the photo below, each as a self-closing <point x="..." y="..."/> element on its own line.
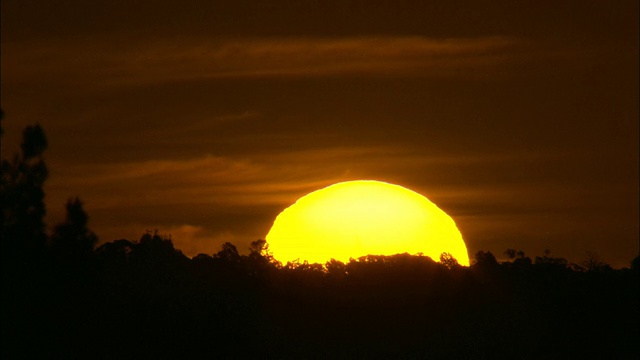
<point x="146" y="300"/>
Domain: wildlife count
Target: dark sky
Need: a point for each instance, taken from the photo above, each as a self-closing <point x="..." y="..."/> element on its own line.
<point x="204" y="119"/>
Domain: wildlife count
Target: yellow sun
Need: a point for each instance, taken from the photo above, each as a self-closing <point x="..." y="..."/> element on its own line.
<point x="364" y="217"/>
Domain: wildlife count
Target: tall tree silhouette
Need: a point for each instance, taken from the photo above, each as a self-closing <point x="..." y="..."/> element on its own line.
<point x="22" y="195"/>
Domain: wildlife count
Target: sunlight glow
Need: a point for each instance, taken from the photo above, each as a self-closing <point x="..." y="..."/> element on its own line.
<point x="364" y="217"/>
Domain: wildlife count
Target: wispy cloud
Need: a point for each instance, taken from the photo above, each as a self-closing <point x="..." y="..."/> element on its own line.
<point x="264" y="179"/>
<point x="320" y="57"/>
<point x="274" y="178"/>
<point x="174" y="60"/>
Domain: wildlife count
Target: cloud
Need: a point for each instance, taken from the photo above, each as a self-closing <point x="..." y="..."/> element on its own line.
<point x="261" y="179"/>
<point x="321" y="57"/>
<point x="173" y="60"/>
<point x="277" y="176"/>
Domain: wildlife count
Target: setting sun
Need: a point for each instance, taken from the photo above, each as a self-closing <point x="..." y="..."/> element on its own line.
<point x="358" y="218"/>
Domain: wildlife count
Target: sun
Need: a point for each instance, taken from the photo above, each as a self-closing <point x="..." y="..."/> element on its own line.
<point x="364" y="217"/>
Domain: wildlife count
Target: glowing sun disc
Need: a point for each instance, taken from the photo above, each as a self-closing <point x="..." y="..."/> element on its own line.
<point x="364" y="217"/>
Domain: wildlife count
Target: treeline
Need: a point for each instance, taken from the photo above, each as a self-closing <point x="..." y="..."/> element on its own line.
<point x="63" y="298"/>
<point x="145" y="299"/>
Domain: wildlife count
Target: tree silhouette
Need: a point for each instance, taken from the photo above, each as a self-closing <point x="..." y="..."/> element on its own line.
<point x="22" y="195"/>
<point x="510" y="253"/>
<point x="156" y="253"/>
<point x="517" y="259"/>
<point x="548" y="261"/>
<point x="592" y="262"/>
<point x="260" y="262"/>
<point x="336" y="268"/>
<point x="72" y="240"/>
<point x="229" y="254"/>
<point x="449" y="261"/>
<point x="116" y="252"/>
<point x="485" y="260"/>
<point x="522" y="262"/>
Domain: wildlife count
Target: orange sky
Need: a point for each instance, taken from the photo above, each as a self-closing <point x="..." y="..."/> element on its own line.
<point x="520" y="119"/>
